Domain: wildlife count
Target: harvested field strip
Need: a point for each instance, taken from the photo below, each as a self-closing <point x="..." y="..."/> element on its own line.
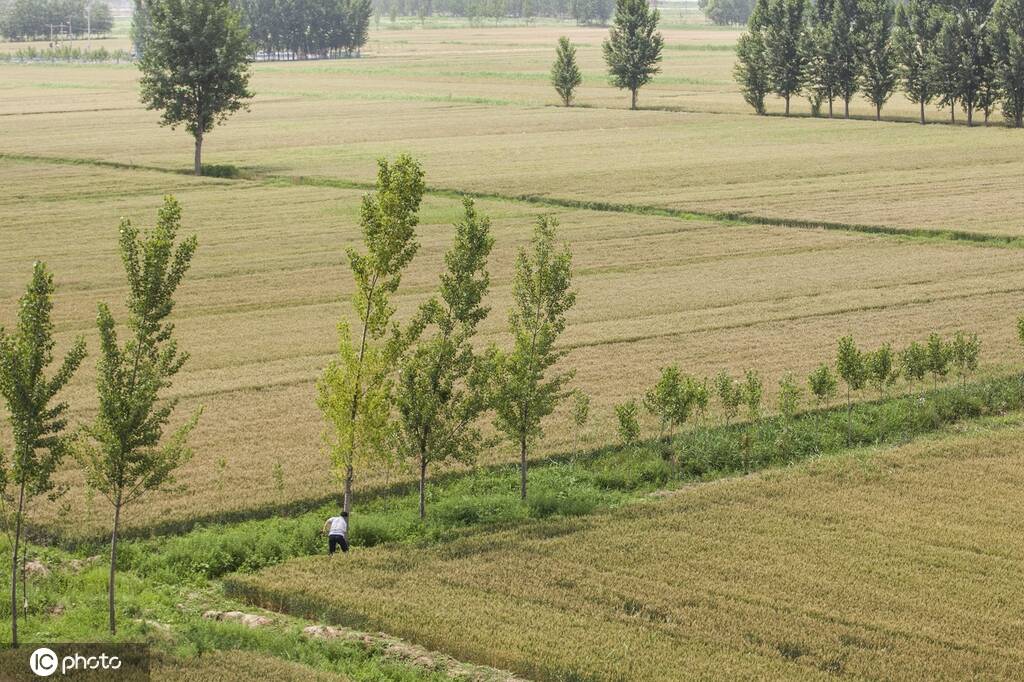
<point x="853" y="566"/>
<point x="723" y="217"/>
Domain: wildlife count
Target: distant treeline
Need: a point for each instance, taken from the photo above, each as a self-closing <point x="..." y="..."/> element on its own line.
<point x="583" y="11"/>
<point x="956" y="53"/>
<point x="725" y="12"/>
<point x="290" y="29"/>
<point x="41" y="19"/>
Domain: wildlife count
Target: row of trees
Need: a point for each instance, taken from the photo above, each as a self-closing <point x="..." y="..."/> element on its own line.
<point x="727" y="12"/>
<point x="416" y="392"/>
<point x="123" y="451"/>
<point x="301" y="29"/>
<point x="677" y="398"/>
<point x="583" y="11"/>
<point x="49" y="19"/>
<point x="966" y="53"/>
<point x="632" y="52"/>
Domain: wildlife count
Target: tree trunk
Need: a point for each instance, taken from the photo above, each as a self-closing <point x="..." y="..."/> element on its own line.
<point x="199" y="154"/>
<point x="849" y="417"/>
<point x="952" y="113"/>
<point x="846" y="108"/>
<point x="878" y="112"/>
<point x="14" y="567"/>
<point x="830" y="107"/>
<point x="522" y="467"/>
<point x="922" y="112"/>
<point x="633" y="105"/>
<point x="970" y="117"/>
<point x="423" y="487"/>
<point x="1018" y="122"/>
<point x="787" y="105"/>
<point x="113" y="566"/>
<point x="347" y="504"/>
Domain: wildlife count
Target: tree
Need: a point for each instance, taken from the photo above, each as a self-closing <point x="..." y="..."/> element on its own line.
<point x="730" y="395"/>
<point x="441" y="389"/>
<point x="912" y="42"/>
<point x="354" y="393"/>
<point x="854" y="372"/>
<point x="819" y="62"/>
<point x="963" y="354"/>
<point x="141" y="25"/>
<point x="123" y="452"/>
<point x="823" y="385"/>
<point x="727" y="12"/>
<point x="195" y="65"/>
<point x="751" y="69"/>
<point x="881" y="368"/>
<point x="878" y="61"/>
<point x="525" y="388"/>
<point x="628" y="425"/>
<point x="789" y="397"/>
<point x="37" y="422"/>
<point x="633" y="47"/>
<point x="844" y="38"/>
<point x="962" y="65"/>
<point x="1007" y="40"/>
<point x="565" y="74"/>
<point x="784" y="41"/>
<point x="914" y="362"/>
<point x="938" y="357"/>
<point x="752" y="389"/>
<point x="671" y="399"/>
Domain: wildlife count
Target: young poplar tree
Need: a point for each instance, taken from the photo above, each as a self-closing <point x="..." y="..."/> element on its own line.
<point x="881" y="366"/>
<point x="878" y="62"/>
<point x="525" y="388"/>
<point x="195" y="65"/>
<point x="914" y="363"/>
<point x="784" y="40"/>
<point x="565" y="73"/>
<point x="354" y="392"/>
<point x="844" y="37"/>
<point x="819" y="69"/>
<point x="853" y="370"/>
<point x="633" y="47"/>
<point x="789" y="397"/>
<point x="37" y="422"/>
<point x="963" y="353"/>
<point x="1007" y="40"/>
<point x="671" y="399"/>
<point x="751" y="69"/>
<point x="823" y="385"/>
<point x="123" y="451"/>
<point x="938" y="358"/>
<point x="628" y="424"/>
<point x="730" y="395"/>
<point x="580" y="414"/>
<point x="441" y="389"/>
<point x="913" y="40"/>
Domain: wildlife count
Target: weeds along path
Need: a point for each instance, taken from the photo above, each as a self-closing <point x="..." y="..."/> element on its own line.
<point x="725" y="218"/>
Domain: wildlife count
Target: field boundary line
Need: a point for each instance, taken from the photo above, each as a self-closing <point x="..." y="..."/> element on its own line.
<point x="736" y="218"/>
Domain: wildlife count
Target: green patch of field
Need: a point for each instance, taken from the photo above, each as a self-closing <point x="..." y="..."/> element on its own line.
<point x="899" y="565"/>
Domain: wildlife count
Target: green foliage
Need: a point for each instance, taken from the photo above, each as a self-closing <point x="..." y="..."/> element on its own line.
<point x="38" y="20"/>
<point x="580" y="408"/>
<point x="823" y="384"/>
<point x="195" y="65"/>
<point x="962" y="60"/>
<point x="628" y="423"/>
<point x="565" y="73"/>
<point x="752" y="390"/>
<point x="845" y="49"/>
<point x="913" y="42"/>
<point x="789" y="397"/>
<point x="300" y="29"/>
<point x="727" y="12"/>
<point x="914" y="362"/>
<point x="821" y="70"/>
<point x="938" y="357"/>
<point x="37" y="422"/>
<point x="881" y="366"/>
<point x="784" y="37"/>
<point x="1007" y="43"/>
<point x="878" y="60"/>
<point x="441" y="386"/>
<point x="123" y="451"/>
<point x="525" y="390"/>
<point x="633" y="47"/>
<point x="670" y="399"/>
<point x="851" y="365"/>
<point x="963" y="354"/>
<point x="730" y="395"/>
<point x="751" y="70"/>
<point x="354" y="392"/>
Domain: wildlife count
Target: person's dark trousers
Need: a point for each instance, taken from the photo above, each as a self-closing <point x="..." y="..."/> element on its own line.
<point x="335" y="541"/>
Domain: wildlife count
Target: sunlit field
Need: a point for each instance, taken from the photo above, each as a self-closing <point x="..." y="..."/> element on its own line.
<point x="702" y="235"/>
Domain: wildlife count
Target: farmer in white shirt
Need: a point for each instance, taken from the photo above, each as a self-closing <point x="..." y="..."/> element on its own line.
<point x="336" y="528"/>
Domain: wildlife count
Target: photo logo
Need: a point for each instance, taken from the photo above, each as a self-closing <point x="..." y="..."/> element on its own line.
<point x="43" y="662"/>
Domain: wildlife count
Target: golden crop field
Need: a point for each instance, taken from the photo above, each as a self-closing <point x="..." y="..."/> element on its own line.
<point x="259" y="310"/>
<point x="897" y="565"/>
